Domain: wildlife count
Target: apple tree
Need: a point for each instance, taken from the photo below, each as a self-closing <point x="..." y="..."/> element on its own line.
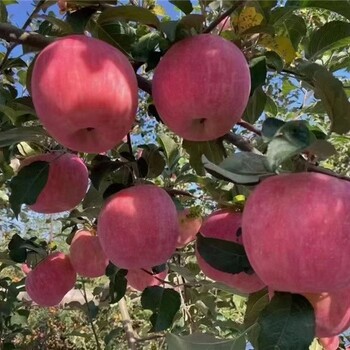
<point x="174" y="174"/>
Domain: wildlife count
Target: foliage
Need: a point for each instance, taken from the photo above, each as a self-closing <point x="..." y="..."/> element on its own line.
<point x="297" y="119"/>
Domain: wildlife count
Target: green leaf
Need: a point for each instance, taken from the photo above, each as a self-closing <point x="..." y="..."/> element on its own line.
<point x="271" y="108"/>
<point x="331" y="36"/>
<point x="3" y="12"/>
<point x="255" y="106"/>
<point x="170" y="148"/>
<point x="28" y="184"/>
<point x="17" y="135"/>
<point x="330" y="90"/>
<point x="164" y="303"/>
<point x="203" y="341"/>
<point x="117" y="286"/>
<point x="64" y="27"/>
<point x="188" y="25"/>
<point x="323" y="149"/>
<point x="255" y="304"/>
<point x="296" y="28"/>
<point x="258" y="72"/>
<point x="154" y="159"/>
<point x="79" y="19"/>
<point x="292" y="138"/>
<point x="270" y="127"/>
<point x="130" y="13"/>
<point x="223" y="174"/>
<point x="274" y="60"/>
<point x="223" y="255"/>
<point x="184" y="5"/>
<point x="286" y="316"/>
<point x="212" y="150"/>
<point x="341" y="7"/>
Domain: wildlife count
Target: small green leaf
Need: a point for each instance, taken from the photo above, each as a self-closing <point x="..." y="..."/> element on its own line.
<point x="130" y="13"/>
<point x="223" y="255"/>
<point x="323" y="149"/>
<point x="64" y="27"/>
<point x="286" y="316"/>
<point x="188" y="25"/>
<point x="164" y="303"/>
<point x="296" y="28"/>
<point x="16" y="135"/>
<point x="255" y="304"/>
<point x="79" y="19"/>
<point x="170" y="148"/>
<point x="3" y="13"/>
<point x="212" y="150"/>
<point x="274" y="60"/>
<point x="331" y="36"/>
<point x="203" y="341"/>
<point x="330" y="90"/>
<point x="292" y="138"/>
<point x="270" y="127"/>
<point x="117" y="286"/>
<point x="28" y="184"/>
<point x="258" y="72"/>
<point x="256" y="106"/>
<point x="184" y="5"/>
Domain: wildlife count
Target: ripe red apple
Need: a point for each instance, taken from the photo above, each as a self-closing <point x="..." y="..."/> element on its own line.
<point x="50" y="280"/>
<point x="66" y="185"/>
<point x="295" y="232"/>
<point x="223" y="224"/>
<point x="87" y="256"/>
<point x="139" y="279"/>
<point x="201" y="87"/>
<point x="189" y="225"/>
<point x="332" y="311"/>
<point x="85" y="93"/>
<point x="138" y="227"/>
<point x="331" y="343"/>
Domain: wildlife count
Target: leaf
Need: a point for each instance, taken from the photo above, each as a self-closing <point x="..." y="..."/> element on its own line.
<point x="79" y="19"/>
<point x="188" y="24"/>
<point x="255" y="106"/>
<point x="16" y="135"/>
<point x="274" y="60"/>
<point x="223" y="174"/>
<point x="323" y="149"/>
<point x="170" y="148"/>
<point x="154" y="160"/>
<point x="28" y="184"/>
<point x="164" y="303"/>
<point x="296" y="28"/>
<point x="271" y="108"/>
<point x="330" y="36"/>
<point x="130" y="13"/>
<point x="64" y="27"/>
<point x="255" y="304"/>
<point x="184" y="5"/>
<point x="270" y="127"/>
<point x="330" y="90"/>
<point x="249" y="18"/>
<point x="117" y="286"/>
<point x="202" y="341"/>
<point x="286" y="316"/>
<point x="223" y="255"/>
<point x="258" y="72"/>
<point x="292" y="138"/>
<point x="212" y="150"/>
<point x="3" y="13"/>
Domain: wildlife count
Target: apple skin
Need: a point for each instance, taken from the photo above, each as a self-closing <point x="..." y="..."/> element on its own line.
<point x="25" y="269"/>
<point x="296" y="232"/>
<point x="332" y="312"/>
<point x="50" y="280"/>
<point x="139" y="279"/>
<point x="87" y="256"/>
<point x="66" y="185"/>
<point x="201" y="87"/>
<point x="189" y="226"/>
<point x="330" y="343"/>
<point x="223" y="224"/>
<point x="85" y="93"/>
<point x="138" y="227"/>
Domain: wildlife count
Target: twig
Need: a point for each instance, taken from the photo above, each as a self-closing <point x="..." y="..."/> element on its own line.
<point x="90" y="318"/>
<point x="127" y="324"/>
<point x="240" y="142"/>
<point x="228" y="12"/>
<point x="249" y="127"/>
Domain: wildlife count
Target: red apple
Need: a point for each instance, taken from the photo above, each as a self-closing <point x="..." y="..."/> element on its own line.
<point x="223" y="224"/>
<point x="138" y="227"/>
<point x="201" y="87"/>
<point x="66" y="185"/>
<point x="85" y="93"/>
<point x="87" y="256"/>
<point x="332" y="312"/>
<point x="189" y="225"/>
<point x="295" y="232"/>
<point x="50" y="280"/>
<point x="331" y="343"/>
<point x="139" y="279"/>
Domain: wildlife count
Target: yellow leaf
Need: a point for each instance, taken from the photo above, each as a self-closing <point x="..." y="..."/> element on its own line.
<point x="249" y="18"/>
<point x="158" y="10"/>
<point x="281" y="45"/>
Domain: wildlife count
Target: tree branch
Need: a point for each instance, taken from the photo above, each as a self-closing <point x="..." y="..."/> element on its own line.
<point x="228" y="12"/>
<point x="129" y="331"/>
